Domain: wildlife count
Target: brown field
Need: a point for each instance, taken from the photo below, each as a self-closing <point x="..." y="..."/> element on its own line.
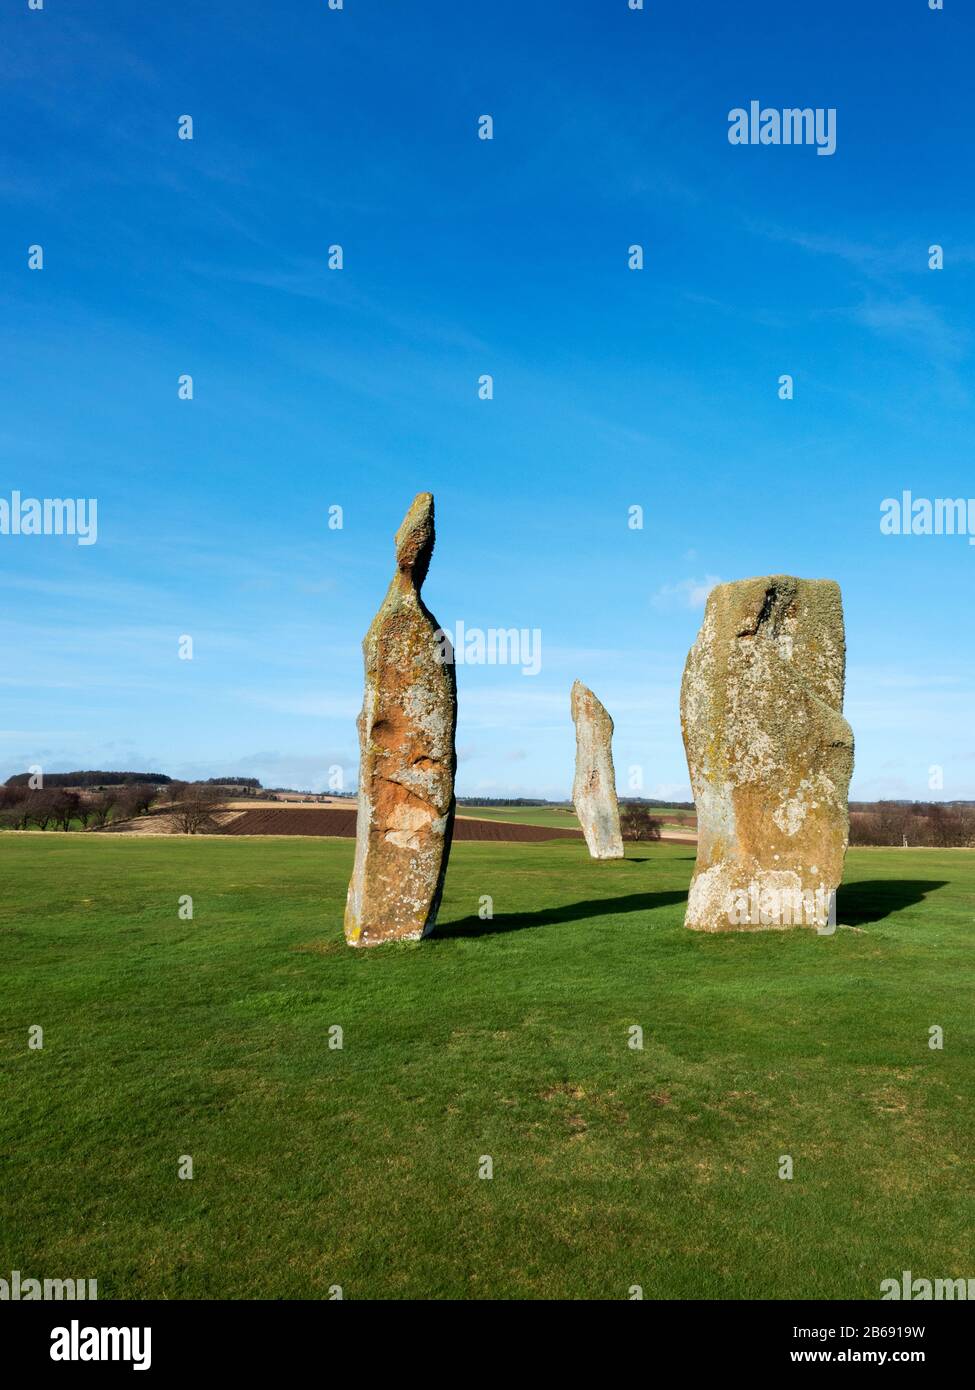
<point x="339" y="819"/>
<point x="313" y="820"/>
<point x="264" y="803"/>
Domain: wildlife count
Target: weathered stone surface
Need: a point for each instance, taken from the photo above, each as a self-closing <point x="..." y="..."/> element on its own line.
<point x="769" y="752"/>
<point x="594" y="788"/>
<point x="407" y="758"/>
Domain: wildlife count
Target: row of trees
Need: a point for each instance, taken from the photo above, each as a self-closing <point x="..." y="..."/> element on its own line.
<point x="249" y="783"/>
<point x="188" y="805"/>
<point x="937" y="823"/>
<point x="74" y="780"/>
<point x="44" y="808"/>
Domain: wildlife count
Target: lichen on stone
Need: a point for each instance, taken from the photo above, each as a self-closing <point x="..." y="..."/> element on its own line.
<point x="594" y="787"/>
<point x="769" y="752"/>
<point x="407" y="757"/>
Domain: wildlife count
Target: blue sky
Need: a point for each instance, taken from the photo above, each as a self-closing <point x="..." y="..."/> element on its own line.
<point x="358" y="387"/>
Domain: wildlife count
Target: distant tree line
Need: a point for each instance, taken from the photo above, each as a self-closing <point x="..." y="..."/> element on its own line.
<point x="232" y="782"/>
<point x="941" y="824"/>
<point x="906" y="801"/>
<point x="504" y="801"/>
<point x="657" y="805"/>
<point x="92" y="779"/>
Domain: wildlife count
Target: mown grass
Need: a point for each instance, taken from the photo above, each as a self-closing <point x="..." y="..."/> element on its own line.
<point x="563" y="818"/>
<point x="359" y="1167"/>
<point x="525" y="815"/>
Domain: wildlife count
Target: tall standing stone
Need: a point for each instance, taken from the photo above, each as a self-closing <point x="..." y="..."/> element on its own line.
<point x="769" y="752"/>
<point x="594" y="788"/>
<point x="407" y="759"/>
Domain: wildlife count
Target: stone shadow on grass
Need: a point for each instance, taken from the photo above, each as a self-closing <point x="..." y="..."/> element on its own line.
<point x="873" y="899"/>
<point x="549" y="916"/>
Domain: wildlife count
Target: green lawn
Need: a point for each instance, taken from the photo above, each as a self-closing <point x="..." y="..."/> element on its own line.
<point x="508" y="1038"/>
<point x="525" y="815"/>
<point x="553" y="815"/>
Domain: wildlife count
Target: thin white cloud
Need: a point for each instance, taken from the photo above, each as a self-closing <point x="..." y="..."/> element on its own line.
<point x="686" y="593"/>
<point x="312" y="706"/>
<point x="915" y="322"/>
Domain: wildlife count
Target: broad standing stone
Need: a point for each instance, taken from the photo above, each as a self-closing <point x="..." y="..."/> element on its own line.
<point x="769" y="752"/>
<point x="407" y="759"/>
<point x="594" y="788"/>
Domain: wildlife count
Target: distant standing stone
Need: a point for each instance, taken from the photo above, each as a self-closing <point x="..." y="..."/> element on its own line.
<point x="407" y="757"/>
<point x="594" y="788"/>
<point x="769" y="752"/>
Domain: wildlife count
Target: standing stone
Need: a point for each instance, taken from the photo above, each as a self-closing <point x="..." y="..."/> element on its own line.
<point x="594" y="788"/>
<point x="770" y="754"/>
<point x="407" y="759"/>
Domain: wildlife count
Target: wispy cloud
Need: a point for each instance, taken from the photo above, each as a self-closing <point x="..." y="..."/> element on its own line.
<point x="686" y="593"/>
<point x="304" y="705"/>
<point x="914" y="322"/>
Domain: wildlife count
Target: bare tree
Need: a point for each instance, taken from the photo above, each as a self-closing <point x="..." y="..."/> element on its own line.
<point x="935" y="823"/>
<point x="636" y="822"/>
<point x="192" y="812"/>
<point x="40" y="808"/>
<point x="101" y="804"/>
<point x="948" y="825"/>
<point x="13" y="799"/>
<point x="140" y="796"/>
<point x="135" y="800"/>
<point x="64" y="807"/>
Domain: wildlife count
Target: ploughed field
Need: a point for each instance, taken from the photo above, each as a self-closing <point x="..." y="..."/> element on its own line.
<point x="562" y="816"/>
<point x="519" y="824"/>
<point x="504" y="1037"/>
<point x="325" y="821"/>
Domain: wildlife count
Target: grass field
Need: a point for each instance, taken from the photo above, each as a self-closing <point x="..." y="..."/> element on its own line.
<point x="358" y="1167"/>
<point x="524" y="815"/>
<point x="553" y="816"/>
